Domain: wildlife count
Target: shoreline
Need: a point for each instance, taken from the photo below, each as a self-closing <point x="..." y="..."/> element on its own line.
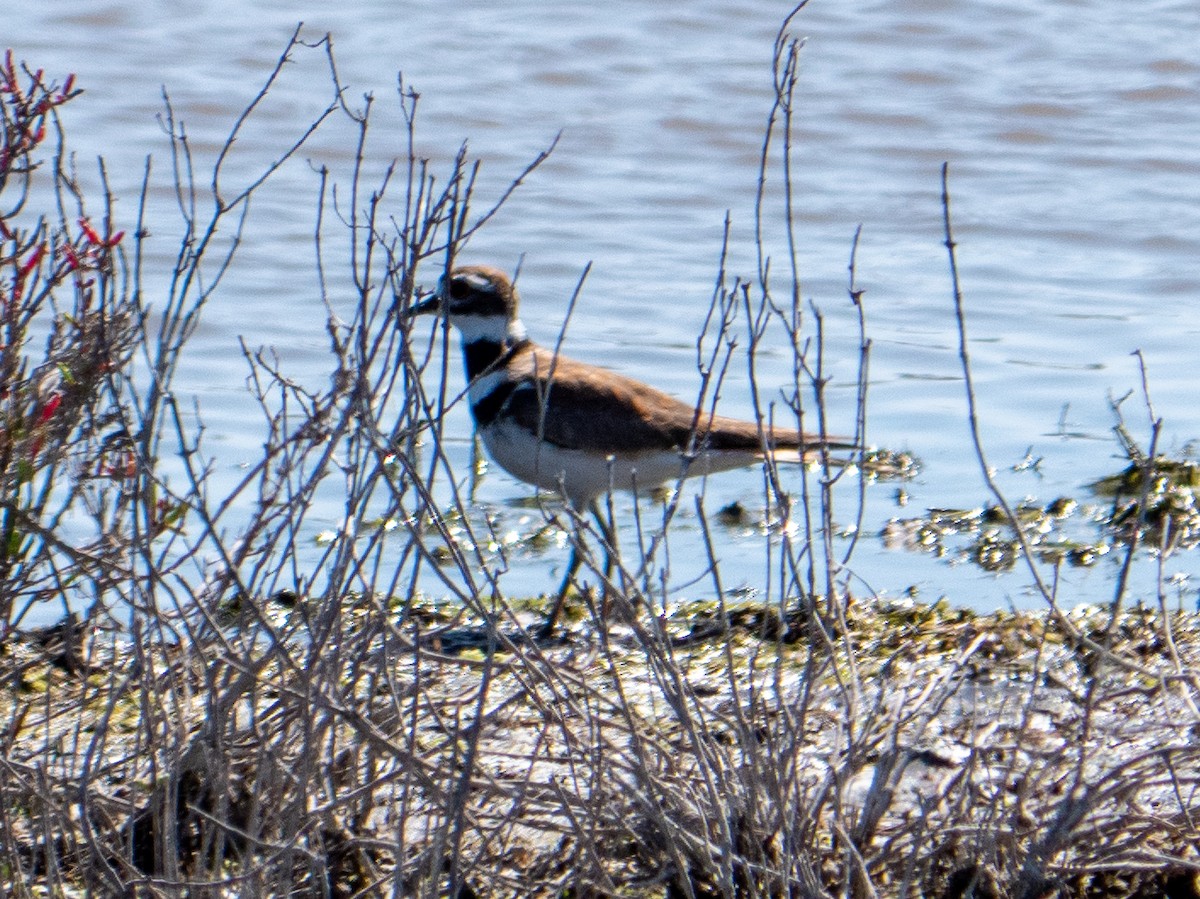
<point x="919" y="736"/>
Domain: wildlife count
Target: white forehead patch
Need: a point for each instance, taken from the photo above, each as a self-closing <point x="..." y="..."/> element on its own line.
<point x="476" y="281"/>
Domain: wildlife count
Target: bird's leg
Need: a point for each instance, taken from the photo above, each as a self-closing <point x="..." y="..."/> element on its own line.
<point x="609" y="537"/>
<point x="572" y="566"/>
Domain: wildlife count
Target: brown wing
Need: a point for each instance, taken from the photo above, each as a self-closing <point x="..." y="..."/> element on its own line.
<point x="594" y="409"/>
<point x="587" y="407"/>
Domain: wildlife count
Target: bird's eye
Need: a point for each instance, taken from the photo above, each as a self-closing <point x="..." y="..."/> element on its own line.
<point x="459" y="289"/>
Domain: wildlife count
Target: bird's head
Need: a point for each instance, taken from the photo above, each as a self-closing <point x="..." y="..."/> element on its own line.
<point x="480" y="301"/>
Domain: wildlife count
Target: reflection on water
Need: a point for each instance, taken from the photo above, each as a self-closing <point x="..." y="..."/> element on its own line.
<point x="1072" y="166"/>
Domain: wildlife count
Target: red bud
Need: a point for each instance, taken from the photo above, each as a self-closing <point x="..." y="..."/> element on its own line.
<point x="48" y="410"/>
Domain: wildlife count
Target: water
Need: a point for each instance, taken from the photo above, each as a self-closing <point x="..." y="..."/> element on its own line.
<point x="1071" y="130"/>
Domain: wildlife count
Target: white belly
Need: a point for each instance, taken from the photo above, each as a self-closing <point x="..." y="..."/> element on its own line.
<point x="583" y="476"/>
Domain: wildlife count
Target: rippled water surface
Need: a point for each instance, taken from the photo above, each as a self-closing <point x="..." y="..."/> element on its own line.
<point x="1072" y="131"/>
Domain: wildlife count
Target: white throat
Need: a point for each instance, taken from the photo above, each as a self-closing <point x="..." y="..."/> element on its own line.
<point x="490" y="328"/>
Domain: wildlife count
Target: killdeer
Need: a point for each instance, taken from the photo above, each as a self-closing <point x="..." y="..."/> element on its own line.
<point x="580" y="430"/>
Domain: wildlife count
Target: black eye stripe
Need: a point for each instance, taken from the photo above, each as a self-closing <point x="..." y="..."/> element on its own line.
<point x="472" y="295"/>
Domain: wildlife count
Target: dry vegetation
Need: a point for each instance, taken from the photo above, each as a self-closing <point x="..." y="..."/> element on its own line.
<point x="224" y="715"/>
<point x="921" y="752"/>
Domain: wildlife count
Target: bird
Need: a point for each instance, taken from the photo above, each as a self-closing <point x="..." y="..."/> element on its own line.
<point x="580" y="430"/>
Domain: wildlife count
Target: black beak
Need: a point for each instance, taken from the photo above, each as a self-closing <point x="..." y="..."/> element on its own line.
<point x="431" y="303"/>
